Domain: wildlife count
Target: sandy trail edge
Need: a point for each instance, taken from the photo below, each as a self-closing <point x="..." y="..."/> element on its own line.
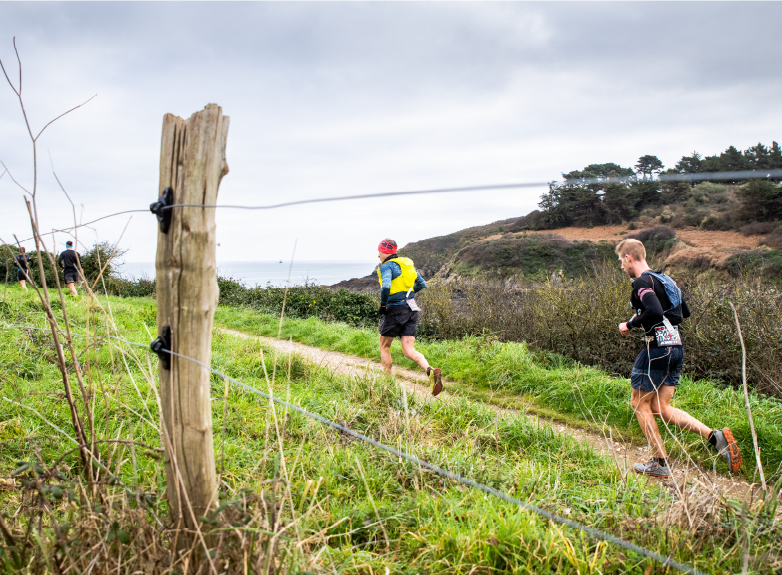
<point x="624" y="454"/>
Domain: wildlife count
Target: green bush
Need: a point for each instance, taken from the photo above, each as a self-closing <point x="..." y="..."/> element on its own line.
<point x="580" y="321"/>
<point x="8" y="265"/>
<point x="756" y="263"/>
<point x="533" y="255"/>
<point x="302" y="302"/>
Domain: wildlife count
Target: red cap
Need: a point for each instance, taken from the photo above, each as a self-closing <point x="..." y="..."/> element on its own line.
<point x="386" y="248"/>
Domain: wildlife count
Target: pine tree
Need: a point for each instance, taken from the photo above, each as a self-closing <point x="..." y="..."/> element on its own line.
<point x="775" y="157"/>
<point x="758" y="156"/>
<point x="648" y="166"/>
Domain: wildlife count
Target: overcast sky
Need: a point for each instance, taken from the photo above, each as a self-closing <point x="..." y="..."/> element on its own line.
<point x="352" y="98"/>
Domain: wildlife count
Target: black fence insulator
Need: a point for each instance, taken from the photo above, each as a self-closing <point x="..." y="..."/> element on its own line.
<point x="162" y="347"/>
<point x="159" y="209"/>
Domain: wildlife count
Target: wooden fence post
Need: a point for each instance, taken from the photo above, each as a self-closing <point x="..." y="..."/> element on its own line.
<point x="192" y="164"/>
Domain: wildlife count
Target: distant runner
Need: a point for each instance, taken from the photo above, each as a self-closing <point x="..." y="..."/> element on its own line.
<point x="69" y="261"/>
<point x="23" y="271"/>
<point x="657" y="368"/>
<point x="399" y="310"/>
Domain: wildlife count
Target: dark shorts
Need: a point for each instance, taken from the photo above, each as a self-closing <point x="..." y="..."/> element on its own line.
<point x="664" y="368"/>
<point x="20" y="275"/>
<point x="71" y="276"/>
<point x="399" y="320"/>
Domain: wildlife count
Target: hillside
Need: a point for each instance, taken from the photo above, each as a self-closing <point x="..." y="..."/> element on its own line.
<point x="708" y="226"/>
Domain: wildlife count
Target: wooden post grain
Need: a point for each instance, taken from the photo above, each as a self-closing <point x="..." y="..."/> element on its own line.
<point x="192" y="163"/>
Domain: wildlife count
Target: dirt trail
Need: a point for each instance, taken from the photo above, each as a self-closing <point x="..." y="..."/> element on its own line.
<point x="624" y="454"/>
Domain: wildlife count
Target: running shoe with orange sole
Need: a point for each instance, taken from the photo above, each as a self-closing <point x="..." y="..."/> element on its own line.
<point x="435" y="376"/>
<point x="728" y="448"/>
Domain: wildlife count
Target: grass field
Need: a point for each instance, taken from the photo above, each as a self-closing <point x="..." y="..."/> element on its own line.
<point x="512" y="375"/>
<point x="343" y="506"/>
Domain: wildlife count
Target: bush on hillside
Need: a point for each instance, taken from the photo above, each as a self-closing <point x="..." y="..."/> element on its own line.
<point x="304" y="301"/>
<point x="758" y="228"/>
<point x="580" y="322"/>
<point x="755" y="263"/>
<point x="761" y="200"/>
<point x="656" y="240"/>
<point x="533" y="255"/>
<point x="773" y="240"/>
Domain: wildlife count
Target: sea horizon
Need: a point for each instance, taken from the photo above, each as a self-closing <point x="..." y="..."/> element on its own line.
<point x="270" y="273"/>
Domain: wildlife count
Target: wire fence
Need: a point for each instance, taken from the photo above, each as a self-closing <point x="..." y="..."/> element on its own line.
<point x="591" y="531"/>
<point x="705" y="176"/>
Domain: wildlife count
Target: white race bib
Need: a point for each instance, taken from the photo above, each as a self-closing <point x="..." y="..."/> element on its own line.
<point x="667" y="335"/>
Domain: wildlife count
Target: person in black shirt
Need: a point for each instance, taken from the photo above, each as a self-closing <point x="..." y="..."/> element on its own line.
<point x="658" y="366"/>
<point x="22" y="272"/>
<point x="69" y="261"/>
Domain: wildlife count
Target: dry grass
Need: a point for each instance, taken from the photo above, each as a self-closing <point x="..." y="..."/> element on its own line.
<point x="580" y="321"/>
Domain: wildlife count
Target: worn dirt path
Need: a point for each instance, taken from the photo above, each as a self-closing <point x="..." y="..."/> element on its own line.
<point x="623" y="454"/>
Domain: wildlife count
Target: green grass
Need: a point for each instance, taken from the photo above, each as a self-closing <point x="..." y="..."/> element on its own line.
<point x="508" y="373"/>
<point x="432" y="525"/>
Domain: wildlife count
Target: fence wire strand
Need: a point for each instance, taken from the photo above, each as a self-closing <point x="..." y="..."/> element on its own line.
<point x="592" y="531"/>
<point x="705" y="176"/>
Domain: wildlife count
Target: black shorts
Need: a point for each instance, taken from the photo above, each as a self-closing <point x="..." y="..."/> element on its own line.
<point x="657" y="366"/>
<point x="399" y="320"/>
<point x="71" y="276"/>
<point x="20" y="275"/>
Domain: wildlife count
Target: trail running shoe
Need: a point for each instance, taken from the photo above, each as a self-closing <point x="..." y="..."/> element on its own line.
<point x="728" y="448"/>
<point x="652" y="469"/>
<point x="435" y="376"/>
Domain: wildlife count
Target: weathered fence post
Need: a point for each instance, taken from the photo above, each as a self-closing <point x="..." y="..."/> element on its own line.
<point x="192" y="164"/>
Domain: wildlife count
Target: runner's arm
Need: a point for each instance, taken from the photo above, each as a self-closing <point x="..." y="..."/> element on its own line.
<point x="385" y="289"/>
<point x="420" y="283"/>
<point x="653" y="310"/>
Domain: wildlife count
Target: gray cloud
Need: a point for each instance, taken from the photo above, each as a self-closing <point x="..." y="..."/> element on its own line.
<point x="346" y="98"/>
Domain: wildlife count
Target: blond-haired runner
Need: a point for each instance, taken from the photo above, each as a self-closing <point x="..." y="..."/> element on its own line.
<point x="658" y="366"/>
<point x="399" y="282"/>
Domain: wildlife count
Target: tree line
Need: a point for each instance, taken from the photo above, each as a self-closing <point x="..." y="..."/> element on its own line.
<point x="578" y="201"/>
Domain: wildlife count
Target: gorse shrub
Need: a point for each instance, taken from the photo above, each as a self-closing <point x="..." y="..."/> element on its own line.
<point x="303" y="301"/>
<point x="580" y="321"/>
<point x="531" y="255"/>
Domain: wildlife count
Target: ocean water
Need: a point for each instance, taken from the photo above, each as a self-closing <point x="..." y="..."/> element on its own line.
<point x="271" y="273"/>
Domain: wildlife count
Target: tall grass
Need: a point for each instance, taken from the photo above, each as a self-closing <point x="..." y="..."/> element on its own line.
<point x="295" y="496"/>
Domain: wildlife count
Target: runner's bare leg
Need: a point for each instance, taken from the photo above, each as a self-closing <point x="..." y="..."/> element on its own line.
<point x="642" y="406"/>
<point x="385" y="352"/>
<point x="661" y="407"/>
<point x="408" y="348"/>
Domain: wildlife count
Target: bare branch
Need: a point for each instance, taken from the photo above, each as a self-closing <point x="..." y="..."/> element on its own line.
<point x="51" y="161"/>
<point x="68" y="230"/>
<point x="6" y="73"/>
<point x="60" y="116"/>
<point x="10" y="175"/>
<point x="18" y="59"/>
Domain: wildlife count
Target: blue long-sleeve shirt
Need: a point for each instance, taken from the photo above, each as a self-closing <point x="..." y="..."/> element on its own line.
<point x="390" y="270"/>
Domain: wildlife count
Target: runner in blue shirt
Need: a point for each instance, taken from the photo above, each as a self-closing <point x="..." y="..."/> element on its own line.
<point x="399" y="282"/>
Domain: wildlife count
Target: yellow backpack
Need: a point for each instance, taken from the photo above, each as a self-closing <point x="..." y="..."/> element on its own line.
<point x="406" y="280"/>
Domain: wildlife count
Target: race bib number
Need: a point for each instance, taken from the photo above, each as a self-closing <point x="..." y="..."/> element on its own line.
<point x="413" y="305"/>
<point x="667" y="335"/>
